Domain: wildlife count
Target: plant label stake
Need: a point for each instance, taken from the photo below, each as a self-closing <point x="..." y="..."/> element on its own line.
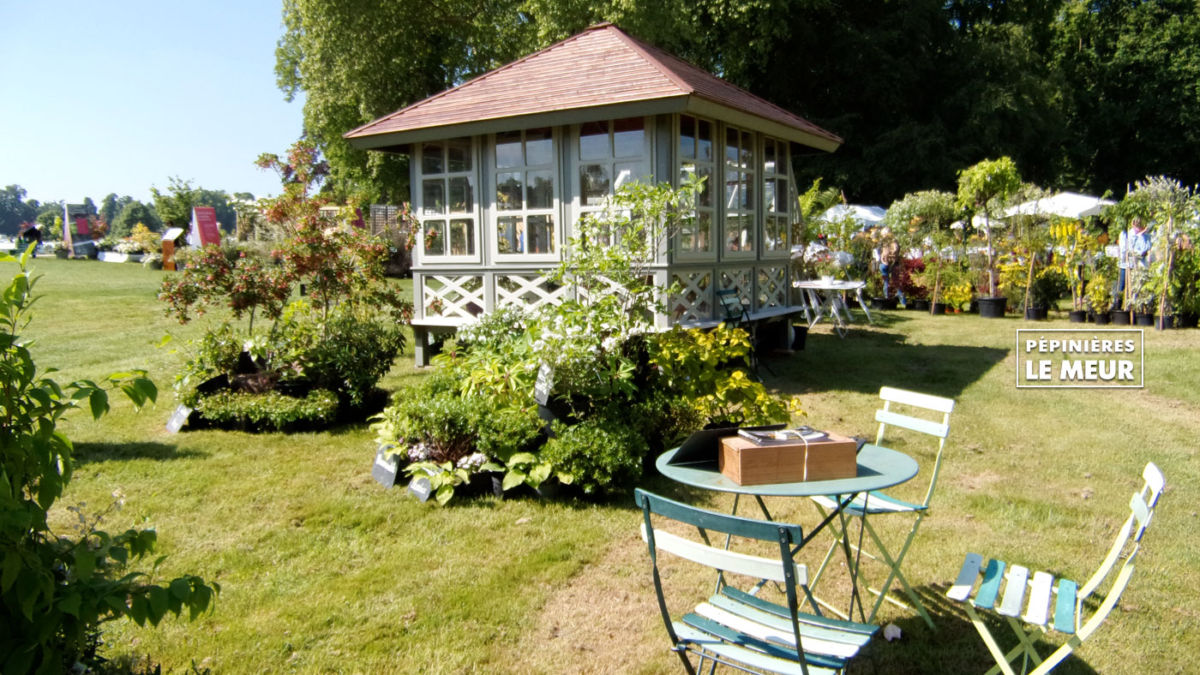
<point x="178" y="419"/>
<point x="385" y="469"/>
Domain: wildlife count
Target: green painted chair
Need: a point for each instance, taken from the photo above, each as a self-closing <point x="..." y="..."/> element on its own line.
<point x="736" y="628"/>
<point x="900" y="410"/>
<point x="1050" y="606"/>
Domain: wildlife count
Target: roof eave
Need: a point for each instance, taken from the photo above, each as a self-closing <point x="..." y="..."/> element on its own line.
<point x="398" y="141"/>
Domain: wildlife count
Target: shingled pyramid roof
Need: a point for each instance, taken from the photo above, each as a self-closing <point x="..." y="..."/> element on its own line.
<point x="601" y="73"/>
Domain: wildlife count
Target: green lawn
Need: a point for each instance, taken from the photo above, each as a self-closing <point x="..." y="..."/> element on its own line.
<point x="325" y="571"/>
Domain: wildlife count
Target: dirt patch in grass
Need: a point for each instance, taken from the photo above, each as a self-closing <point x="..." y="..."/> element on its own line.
<point x="606" y="615"/>
<point x="974" y="482"/>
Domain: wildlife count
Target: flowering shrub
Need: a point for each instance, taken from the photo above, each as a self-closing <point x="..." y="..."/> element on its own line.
<point x="620" y="390"/>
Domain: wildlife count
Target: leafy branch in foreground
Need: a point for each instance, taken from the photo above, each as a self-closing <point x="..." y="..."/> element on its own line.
<point x="55" y="589"/>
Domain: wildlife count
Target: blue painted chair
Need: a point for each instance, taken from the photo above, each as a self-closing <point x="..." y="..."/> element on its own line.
<point x="1059" y="607"/>
<point x="736" y="628"/>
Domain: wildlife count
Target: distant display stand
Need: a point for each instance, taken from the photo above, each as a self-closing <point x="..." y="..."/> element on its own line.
<point x="205" y="229"/>
<point x="171" y="239"/>
<point x="77" y="235"/>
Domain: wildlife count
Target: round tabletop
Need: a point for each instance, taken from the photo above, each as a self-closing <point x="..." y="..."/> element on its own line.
<point x="878" y="468"/>
<point x="832" y="285"/>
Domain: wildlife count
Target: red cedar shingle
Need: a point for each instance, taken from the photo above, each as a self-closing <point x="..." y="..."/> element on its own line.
<point x="600" y="66"/>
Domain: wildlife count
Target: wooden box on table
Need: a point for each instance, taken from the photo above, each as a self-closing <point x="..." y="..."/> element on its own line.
<point x="747" y="463"/>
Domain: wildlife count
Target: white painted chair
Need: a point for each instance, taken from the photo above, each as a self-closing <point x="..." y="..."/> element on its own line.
<point x="897" y="406"/>
<point x="732" y="627"/>
<point x="1050" y="606"/>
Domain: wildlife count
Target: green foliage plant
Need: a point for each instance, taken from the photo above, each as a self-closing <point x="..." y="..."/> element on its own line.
<point x="1099" y="293"/>
<point x="269" y="410"/>
<point x="596" y="454"/>
<point x="56" y="589"/>
<point x="986" y="187"/>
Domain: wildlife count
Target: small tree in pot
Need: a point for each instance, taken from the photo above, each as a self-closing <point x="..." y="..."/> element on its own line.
<point x="986" y="187"/>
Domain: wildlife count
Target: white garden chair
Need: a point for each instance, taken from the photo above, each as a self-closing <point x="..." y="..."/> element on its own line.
<point x="1050" y="606"/>
<point x="897" y="404"/>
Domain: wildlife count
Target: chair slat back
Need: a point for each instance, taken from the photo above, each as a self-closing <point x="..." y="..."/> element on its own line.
<point x="731" y="302"/>
<point x="720" y="559"/>
<point x="940" y="429"/>
<point x="1141" y="511"/>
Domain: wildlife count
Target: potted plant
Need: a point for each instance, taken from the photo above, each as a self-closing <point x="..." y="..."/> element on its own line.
<point x="985" y="187"/>
<point x="1073" y="247"/>
<point x="1099" y="297"/>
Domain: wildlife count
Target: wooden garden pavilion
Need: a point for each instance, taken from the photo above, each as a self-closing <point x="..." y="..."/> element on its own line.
<point x="503" y="165"/>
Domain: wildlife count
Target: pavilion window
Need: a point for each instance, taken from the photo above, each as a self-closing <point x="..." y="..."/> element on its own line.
<point x="524" y="175"/>
<point x="611" y="154"/>
<point x="740" y="204"/>
<point x="447" y="207"/>
<point x="696" y="158"/>
<point x="777" y="198"/>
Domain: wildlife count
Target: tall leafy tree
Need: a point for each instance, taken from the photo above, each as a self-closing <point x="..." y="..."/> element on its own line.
<point x="133" y="213"/>
<point x="14" y="210"/>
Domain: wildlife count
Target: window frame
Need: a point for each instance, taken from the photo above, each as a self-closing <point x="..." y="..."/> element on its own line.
<point x="768" y="211"/>
<point x="748" y="175"/>
<point x="713" y="211"/>
<point x="553" y="211"/>
<point x="447" y="216"/>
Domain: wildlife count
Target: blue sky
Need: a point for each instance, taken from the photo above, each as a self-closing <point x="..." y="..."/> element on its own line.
<point x="100" y="97"/>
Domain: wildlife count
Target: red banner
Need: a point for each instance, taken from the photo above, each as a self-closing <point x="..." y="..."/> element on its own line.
<point x="204" y="225"/>
<point x="81" y="226"/>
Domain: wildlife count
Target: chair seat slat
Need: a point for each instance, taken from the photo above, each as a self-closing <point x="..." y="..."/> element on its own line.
<point x="1064" y="608"/>
<point x="813" y="643"/>
<point x="961" y="590"/>
<point x="743" y="655"/>
<point x="878" y="502"/>
<point x="989" y="588"/>
<point x="776" y="649"/>
<point x="1014" y="592"/>
<point x="1037" y="612"/>
<point x="807" y="630"/>
<point x="761" y="604"/>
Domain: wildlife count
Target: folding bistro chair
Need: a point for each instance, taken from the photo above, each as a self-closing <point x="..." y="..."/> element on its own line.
<point x="880" y="504"/>
<point x="730" y="302"/>
<point x="740" y="629"/>
<point x="1050" y="606"/>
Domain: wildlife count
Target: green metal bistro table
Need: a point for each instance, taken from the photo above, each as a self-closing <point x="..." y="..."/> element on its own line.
<point x="878" y="468"/>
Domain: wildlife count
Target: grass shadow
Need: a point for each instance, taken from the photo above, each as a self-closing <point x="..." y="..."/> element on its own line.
<point x="86" y="453"/>
<point x="865" y="360"/>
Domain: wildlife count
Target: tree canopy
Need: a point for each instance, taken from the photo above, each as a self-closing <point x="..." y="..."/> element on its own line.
<point x="1082" y="94"/>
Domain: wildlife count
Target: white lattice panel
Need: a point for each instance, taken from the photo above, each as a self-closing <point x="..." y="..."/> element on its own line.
<point x="606" y="287"/>
<point x="445" y="296"/>
<point x="741" y="280"/>
<point x="529" y="292"/>
<point x="772" y="287"/>
<point x="694" y="301"/>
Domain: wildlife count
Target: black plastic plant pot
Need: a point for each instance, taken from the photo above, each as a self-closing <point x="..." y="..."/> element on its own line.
<point x="1120" y="317"/>
<point x="992" y="308"/>
<point x="939" y="308"/>
<point x="1077" y="316"/>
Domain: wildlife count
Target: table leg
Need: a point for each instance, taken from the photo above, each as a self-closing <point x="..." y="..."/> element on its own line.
<point x="862" y="304"/>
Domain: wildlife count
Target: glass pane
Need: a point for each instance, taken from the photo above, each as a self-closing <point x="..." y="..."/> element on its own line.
<point x="687" y="137"/>
<point x="781" y="166"/>
<point x="629" y="138"/>
<point x="704" y="231"/>
<point x="539" y="147"/>
<point x="510" y="234"/>
<point x="732" y="194"/>
<point x="435" y="239"/>
<point x="628" y="172"/>
<point x="769" y="194"/>
<point x="594" y="184"/>
<point x="706" y="190"/>
<point x="540" y="188"/>
<point x="462" y="199"/>
<point x="593" y="140"/>
<point x="433" y="197"/>
<point x="746" y="193"/>
<point x="687" y="234"/>
<point x="686" y="169"/>
<point x="431" y="159"/>
<point x="508" y="149"/>
<point x="781" y="195"/>
<point x="462" y="237"/>
<point x="704" y="141"/>
<point x="747" y="234"/>
<point x="731" y="146"/>
<point x="733" y="225"/>
<point x="541" y="234"/>
<point x="458" y="152"/>
<point x="747" y="156"/>
<point x="508" y="191"/>
<point x="769" y="156"/>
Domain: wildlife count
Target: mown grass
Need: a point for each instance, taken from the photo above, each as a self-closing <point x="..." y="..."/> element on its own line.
<point x="324" y="571"/>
